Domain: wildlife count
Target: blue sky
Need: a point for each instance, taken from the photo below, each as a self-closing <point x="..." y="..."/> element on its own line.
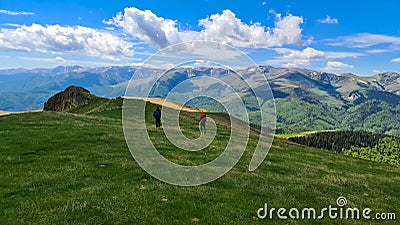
<point x="335" y="36"/>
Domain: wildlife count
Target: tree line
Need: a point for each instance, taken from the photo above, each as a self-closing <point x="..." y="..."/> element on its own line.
<point x="357" y="144"/>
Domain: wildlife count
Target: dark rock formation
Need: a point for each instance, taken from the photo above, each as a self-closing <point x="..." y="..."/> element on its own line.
<point x="69" y="98"/>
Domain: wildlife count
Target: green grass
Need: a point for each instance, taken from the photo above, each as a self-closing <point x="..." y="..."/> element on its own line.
<point x="287" y="136"/>
<point x="292" y="135"/>
<point x="75" y="168"/>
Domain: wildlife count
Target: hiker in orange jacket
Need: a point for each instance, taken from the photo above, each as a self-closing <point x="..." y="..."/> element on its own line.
<point x="203" y="119"/>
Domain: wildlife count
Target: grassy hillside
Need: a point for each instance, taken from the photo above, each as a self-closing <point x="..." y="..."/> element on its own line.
<point x="75" y="168"/>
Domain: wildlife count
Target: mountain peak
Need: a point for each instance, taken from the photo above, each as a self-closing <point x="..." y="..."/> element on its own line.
<point x="71" y="97"/>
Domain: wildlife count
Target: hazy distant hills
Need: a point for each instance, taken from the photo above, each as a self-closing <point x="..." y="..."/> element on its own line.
<point x="29" y="89"/>
<point x="305" y="99"/>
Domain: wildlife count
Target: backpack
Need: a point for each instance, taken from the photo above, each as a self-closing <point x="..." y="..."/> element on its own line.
<point x="157" y="114"/>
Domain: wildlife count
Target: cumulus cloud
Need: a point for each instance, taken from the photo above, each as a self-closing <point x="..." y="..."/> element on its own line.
<point x="364" y="40"/>
<point x="295" y="58"/>
<point x="329" y="20"/>
<point x="297" y="63"/>
<point x="12" y="13"/>
<point x="307" y="53"/>
<point x="337" y="66"/>
<point x="225" y="27"/>
<point x="228" y="29"/>
<point x="147" y="26"/>
<point x="59" y="39"/>
<point x="60" y="59"/>
<point x="396" y="60"/>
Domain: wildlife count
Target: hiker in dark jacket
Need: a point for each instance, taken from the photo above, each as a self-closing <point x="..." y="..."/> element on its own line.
<point x="203" y="119"/>
<point x="157" y="116"/>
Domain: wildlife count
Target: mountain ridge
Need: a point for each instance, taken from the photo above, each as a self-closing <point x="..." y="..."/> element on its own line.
<point x="305" y="99"/>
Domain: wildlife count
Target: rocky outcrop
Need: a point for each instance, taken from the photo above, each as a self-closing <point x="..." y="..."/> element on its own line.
<point x="69" y="98"/>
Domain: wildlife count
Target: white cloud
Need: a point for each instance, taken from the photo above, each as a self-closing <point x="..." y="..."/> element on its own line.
<point x="342" y="55"/>
<point x="307" y="53"/>
<point x="60" y="59"/>
<point x="376" y="71"/>
<point x="48" y="60"/>
<point x="159" y="32"/>
<point x="206" y="63"/>
<point x="263" y="3"/>
<point x="55" y="61"/>
<point x="155" y="64"/>
<point x="59" y="39"/>
<point x="337" y="66"/>
<point x="297" y="63"/>
<point x="11" y="13"/>
<point x="396" y="60"/>
<point x="295" y="58"/>
<point x="228" y="29"/>
<point x="364" y="40"/>
<point x="201" y="62"/>
<point x="329" y="20"/>
<point x="377" y="51"/>
<point x="11" y="24"/>
<point x="146" y="26"/>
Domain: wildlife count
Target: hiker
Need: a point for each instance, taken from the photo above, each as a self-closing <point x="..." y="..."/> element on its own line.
<point x="203" y="119"/>
<point x="157" y="116"/>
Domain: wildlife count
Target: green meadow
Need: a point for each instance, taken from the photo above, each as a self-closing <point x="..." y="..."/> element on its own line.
<point x="75" y="168"/>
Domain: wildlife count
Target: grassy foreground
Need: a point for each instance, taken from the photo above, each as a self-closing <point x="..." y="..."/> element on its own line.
<point x="75" y="168"/>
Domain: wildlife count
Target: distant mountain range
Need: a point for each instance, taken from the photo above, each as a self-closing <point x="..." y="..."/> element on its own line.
<point x="305" y="99"/>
